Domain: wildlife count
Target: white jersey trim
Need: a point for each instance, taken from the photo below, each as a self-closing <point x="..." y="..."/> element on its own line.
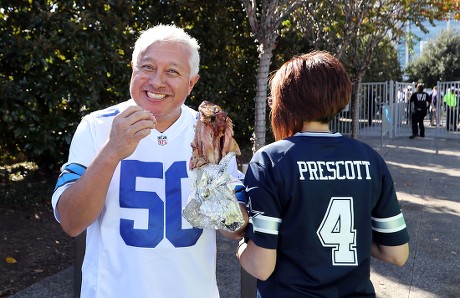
<point x="317" y="134"/>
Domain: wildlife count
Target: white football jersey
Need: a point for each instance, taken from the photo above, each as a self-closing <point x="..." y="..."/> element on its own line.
<point x="141" y="246"/>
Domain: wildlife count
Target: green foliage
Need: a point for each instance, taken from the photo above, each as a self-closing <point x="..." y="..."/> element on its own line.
<point x="61" y="60"/>
<point x="228" y="60"/>
<point x="439" y="61"/>
<point x="384" y="65"/>
<point x="58" y="62"/>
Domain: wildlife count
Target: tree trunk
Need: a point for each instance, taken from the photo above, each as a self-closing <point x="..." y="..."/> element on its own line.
<point x="355" y="102"/>
<point x="260" y="126"/>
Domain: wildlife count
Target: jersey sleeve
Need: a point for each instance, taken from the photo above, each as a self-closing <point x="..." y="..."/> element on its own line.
<point x="264" y="206"/>
<point x="232" y="168"/>
<point x="81" y="153"/>
<point x="388" y="224"/>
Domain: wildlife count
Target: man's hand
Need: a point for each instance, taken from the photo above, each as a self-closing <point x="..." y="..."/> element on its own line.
<point x="83" y="201"/>
<point x="128" y="129"/>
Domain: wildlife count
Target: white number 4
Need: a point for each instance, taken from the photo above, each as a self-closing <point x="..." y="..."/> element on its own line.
<point x="337" y="231"/>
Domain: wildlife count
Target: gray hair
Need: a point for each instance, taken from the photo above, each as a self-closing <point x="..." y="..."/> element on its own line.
<point x="168" y="33"/>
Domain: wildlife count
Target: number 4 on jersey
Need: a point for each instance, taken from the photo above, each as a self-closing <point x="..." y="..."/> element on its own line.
<point x="337" y="231"/>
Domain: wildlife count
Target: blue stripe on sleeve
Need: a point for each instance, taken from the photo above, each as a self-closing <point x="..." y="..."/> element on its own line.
<point x="75" y="168"/>
<point x="241" y="195"/>
<point x="109" y="113"/>
<point x="70" y="173"/>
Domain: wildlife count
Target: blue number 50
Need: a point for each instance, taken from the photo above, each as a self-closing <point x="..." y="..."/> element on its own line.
<point x="132" y="198"/>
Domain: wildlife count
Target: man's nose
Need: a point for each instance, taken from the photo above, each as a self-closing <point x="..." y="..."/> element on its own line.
<point x="157" y="79"/>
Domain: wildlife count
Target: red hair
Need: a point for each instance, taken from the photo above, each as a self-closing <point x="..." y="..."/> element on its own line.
<point x="309" y="87"/>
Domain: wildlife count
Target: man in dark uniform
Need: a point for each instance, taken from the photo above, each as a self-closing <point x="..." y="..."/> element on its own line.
<point x="420" y="101"/>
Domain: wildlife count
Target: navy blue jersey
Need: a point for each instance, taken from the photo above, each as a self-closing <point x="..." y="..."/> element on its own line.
<point x="320" y="199"/>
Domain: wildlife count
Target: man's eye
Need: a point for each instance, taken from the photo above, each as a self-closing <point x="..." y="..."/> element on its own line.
<point x="146" y="67"/>
<point x="173" y="72"/>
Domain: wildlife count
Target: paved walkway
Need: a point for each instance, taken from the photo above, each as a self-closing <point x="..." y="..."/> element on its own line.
<point x="426" y="172"/>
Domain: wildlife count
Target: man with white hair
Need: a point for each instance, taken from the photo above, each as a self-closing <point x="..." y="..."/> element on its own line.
<point x="127" y="180"/>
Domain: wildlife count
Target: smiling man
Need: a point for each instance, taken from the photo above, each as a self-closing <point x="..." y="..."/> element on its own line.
<point x="127" y="180"/>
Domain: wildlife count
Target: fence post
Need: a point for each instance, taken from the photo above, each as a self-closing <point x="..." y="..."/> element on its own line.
<point x="79" y="248"/>
<point x="393" y="106"/>
<point x="248" y="285"/>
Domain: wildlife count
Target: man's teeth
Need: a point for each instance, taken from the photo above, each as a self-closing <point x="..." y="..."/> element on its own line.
<point x="155" y="95"/>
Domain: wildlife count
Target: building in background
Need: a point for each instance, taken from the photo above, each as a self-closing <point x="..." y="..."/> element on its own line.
<point x="405" y="56"/>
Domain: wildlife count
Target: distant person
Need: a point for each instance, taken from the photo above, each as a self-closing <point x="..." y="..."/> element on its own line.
<point x="408" y="105"/>
<point x="401" y="97"/>
<point x="435" y="118"/>
<point x="450" y="103"/>
<point x="420" y="102"/>
<point x="432" y="107"/>
<point x="321" y="204"/>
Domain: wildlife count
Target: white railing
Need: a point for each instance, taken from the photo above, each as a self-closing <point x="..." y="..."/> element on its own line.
<point x="384" y="110"/>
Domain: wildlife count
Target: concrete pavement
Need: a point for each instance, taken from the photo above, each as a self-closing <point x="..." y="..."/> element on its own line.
<point x="426" y="172"/>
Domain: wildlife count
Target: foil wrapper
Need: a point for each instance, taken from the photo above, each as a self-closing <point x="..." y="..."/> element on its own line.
<point x="212" y="202"/>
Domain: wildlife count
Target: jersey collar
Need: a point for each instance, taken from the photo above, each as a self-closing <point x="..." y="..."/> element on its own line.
<point x="317" y="134"/>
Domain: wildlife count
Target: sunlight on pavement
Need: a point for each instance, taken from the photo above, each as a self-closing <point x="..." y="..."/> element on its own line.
<point x="454" y="172"/>
<point x="425" y="150"/>
<point x="383" y="288"/>
<point x="432" y="205"/>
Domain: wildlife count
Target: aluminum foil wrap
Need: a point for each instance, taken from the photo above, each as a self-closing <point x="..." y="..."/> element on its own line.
<point x="212" y="202"/>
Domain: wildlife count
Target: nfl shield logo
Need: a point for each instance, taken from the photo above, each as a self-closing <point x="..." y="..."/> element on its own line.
<point x="162" y="140"/>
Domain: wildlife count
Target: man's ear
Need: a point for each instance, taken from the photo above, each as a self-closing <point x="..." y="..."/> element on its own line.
<point x="192" y="83"/>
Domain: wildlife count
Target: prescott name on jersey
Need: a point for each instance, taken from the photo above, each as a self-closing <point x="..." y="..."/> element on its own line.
<point x="334" y="170"/>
